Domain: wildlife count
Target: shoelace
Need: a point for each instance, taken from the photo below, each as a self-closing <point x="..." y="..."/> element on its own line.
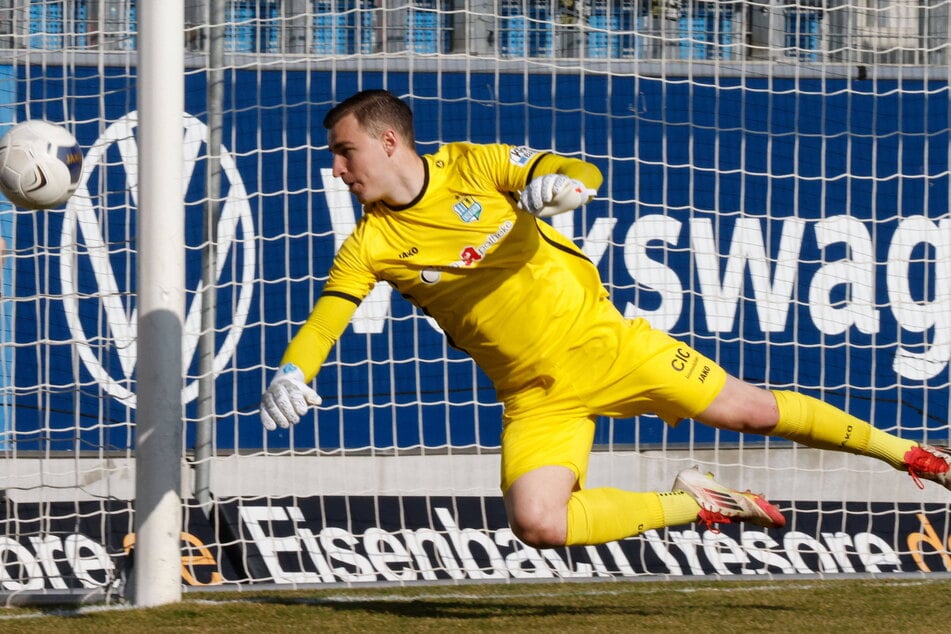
<point x="923" y="461"/>
<point x="710" y="519"/>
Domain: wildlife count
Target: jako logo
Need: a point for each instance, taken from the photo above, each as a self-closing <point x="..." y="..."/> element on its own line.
<point x="102" y="319"/>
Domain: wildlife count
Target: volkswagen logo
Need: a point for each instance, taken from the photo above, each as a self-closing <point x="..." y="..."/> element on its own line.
<point x="101" y="320"/>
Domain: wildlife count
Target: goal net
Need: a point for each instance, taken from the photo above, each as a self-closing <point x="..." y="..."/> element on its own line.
<point x="776" y="195"/>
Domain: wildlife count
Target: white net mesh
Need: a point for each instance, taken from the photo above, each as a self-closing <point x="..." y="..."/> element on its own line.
<point x="776" y="194"/>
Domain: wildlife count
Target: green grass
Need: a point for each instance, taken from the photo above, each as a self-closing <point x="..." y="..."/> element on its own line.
<point x="819" y="606"/>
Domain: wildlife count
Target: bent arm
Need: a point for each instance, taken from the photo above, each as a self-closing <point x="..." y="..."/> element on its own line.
<point x="587" y="173"/>
<point x="558" y="184"/>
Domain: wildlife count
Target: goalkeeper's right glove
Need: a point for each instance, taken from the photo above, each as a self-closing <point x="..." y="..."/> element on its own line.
<point x="287" y="398"/>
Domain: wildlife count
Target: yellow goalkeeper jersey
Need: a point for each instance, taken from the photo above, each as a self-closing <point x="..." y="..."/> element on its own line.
<point x="504" y="286"/>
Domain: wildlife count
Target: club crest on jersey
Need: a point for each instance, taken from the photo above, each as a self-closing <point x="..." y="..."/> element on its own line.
<point x="521" y="155"/>
<point x="469" y="209"/>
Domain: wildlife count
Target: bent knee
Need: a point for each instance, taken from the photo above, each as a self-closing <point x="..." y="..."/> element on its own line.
<point x="537" y="505"/>
<point x="538" y="527"/>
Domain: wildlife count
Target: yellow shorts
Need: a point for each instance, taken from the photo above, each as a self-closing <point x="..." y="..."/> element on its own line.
<point x="624" y="369"/>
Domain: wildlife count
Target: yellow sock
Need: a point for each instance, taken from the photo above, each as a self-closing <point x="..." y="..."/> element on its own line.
<point x="815" y="423"/>
<point x="597" y="516"/>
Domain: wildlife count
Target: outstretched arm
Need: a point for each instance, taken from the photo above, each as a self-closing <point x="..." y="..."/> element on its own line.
<point x="289" y="396"/>
<point x="310" y="346"/>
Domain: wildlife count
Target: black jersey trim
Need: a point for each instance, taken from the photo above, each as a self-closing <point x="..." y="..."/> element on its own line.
<point x="558" y="246"/>
<point x="516" y="196"/>
<point x="422" y="191"/>
<point x="350" y="298"/>
<point x="531" y="170"/>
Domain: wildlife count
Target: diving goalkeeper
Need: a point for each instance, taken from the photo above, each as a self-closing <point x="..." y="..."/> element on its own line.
<point x="458" y="233"/>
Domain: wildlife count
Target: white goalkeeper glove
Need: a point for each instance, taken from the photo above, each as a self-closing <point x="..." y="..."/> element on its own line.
<point x="287" y="398"/>
<point x="554" y="194"/>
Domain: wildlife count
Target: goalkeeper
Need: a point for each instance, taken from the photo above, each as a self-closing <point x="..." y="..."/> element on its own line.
<point x="458" y="233"/>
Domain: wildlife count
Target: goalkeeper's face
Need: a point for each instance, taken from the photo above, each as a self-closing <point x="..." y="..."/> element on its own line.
<point x="362" y="159"/>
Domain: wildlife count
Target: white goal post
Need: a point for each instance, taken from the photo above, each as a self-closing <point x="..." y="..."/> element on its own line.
<point x="776" y="193"/>
<point x="160" y="306"/>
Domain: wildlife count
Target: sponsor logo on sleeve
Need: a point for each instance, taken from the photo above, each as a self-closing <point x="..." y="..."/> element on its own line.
<point x="521" y="155"/>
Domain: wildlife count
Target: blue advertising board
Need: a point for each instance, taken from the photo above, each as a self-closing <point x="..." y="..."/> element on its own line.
<point x="795" y="230"/>
<point x="332" y="540"/>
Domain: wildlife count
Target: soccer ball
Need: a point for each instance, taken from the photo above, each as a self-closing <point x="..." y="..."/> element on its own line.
<point x="40" y="164"/>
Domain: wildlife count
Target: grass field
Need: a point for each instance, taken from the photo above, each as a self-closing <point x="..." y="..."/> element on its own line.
<point x="839" y="605"/>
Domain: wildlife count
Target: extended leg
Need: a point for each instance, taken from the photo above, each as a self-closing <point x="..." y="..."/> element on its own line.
<point x="814" y="423"/>
<point x="817" y="424"/>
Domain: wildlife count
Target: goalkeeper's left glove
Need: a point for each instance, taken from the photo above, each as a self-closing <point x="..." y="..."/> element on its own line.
<point x="553" y="194"/>
<point x="287" y="398"/>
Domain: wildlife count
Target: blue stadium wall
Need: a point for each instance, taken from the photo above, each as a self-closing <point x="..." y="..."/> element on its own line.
<point x="773" y="150"/>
